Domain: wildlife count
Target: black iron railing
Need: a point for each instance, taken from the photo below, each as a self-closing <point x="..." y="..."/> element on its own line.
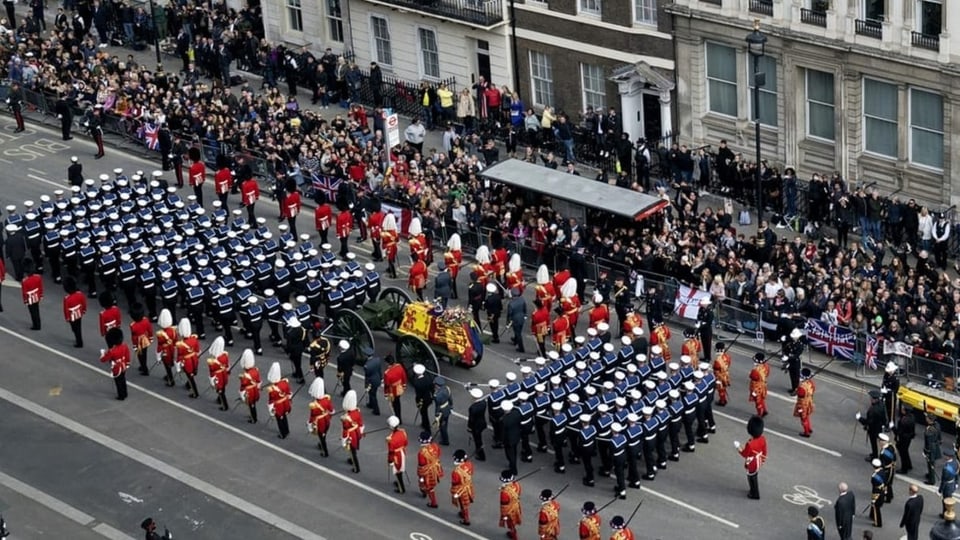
<point x="764" y="7"/>
<point x="816" y="18"/>
<point x="870" y="28"/>
<point x="925" y="41"/>
<point x="477" y="12"/>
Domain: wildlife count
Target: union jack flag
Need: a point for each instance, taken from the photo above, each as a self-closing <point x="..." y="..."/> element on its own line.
<point x="327" y="184"/>
<point x="830" y="340"/>
<point x="151" y="136"/>
<point x="873" y="353"/>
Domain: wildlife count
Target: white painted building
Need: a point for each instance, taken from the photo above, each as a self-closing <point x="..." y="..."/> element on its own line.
<point x="434" y="41"/>
<point x="317" y="24"/>
<point x="864" y="87"/>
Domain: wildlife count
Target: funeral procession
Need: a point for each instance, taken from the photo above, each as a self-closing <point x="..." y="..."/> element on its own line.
<point x="453" y="298"/>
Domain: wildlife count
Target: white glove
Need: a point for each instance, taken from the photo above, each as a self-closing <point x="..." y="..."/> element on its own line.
<point x="422" y="480"/>
<point x="457" y="496"/>
<point x="858" y="415"/>
<point x="884" y="390"/>
<point x="102" y="352"/>
<point x="179" y="367"/>
<point x="243" y="395"/>
<point x="891" y="425"/>
<point x="59" y="117"/>
<point x="784" y="358"/>
<point x="158" y="357"/>
<point x="270" y="409"/>
<point x="736" y="444"/>
<point x="754" y="394"/>
<point x="344" y="441"/>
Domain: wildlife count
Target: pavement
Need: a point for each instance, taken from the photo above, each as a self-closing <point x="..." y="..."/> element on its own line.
<point x="77" y="460"/>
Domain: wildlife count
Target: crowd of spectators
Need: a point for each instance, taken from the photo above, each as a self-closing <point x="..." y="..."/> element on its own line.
<point x="889" y="279"/>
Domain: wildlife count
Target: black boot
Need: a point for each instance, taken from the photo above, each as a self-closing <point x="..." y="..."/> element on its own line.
<point x="399" y="487"/>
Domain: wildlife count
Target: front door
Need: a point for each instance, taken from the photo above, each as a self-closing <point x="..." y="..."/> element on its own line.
<point x="652" y="123"/>
<point x="483" y="61"/>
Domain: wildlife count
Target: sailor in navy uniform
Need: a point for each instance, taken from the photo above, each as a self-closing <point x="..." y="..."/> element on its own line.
<point x="271" y="307"/>
<point x="878" y="485"/>
<point x="477" y="422"/>
<point x="253" y="320"/>
<point x="147" y="281"/>
<point x="169" y="292"/>
<point x="587" y="448"/>
<point x="541" y="405"/>
<point x="663" y="416"/>
<point x="691" y="403"/>
<point x="619" y="446"/>
<point x="634" y="434"/>
<point x="675" y="408"/>
<point x="651" y="426"/>
<point x="558" y="436"/>
<point x="527" y="411"/>
<point x="52" y="242"/>
<point x="705" y="384"/>
<point x="372" y="279"/>
<point x="196" y="303"/>
<point x="604" y="421"/>
<point x="127" y="278"/>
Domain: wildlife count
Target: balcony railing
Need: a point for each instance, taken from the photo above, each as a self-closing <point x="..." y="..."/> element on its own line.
<point x="925" y="41"/>
<point x="763" y="7"/>
<point x="476" y="12"/>
<point x="816" y="18"/>
<point x="870" y="28"/>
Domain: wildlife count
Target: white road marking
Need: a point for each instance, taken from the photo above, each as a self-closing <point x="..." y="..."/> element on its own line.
<point x="199" y="484"/>
<point x="62" y="508"/>
<point x="919" y="483"/>
<point x="782" y="435"/>
<point x="38" y="171"/>
<point x="128" y="498"/>
<point x="45" y="181"/>
<point x="160" y="466"/>
<point x="781" y="397"/>
<point x="689" y="507"/>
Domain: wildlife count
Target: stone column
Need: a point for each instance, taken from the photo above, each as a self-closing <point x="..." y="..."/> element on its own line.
<point x="666" y="114"/>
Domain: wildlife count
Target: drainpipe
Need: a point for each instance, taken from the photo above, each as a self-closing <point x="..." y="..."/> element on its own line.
<point x="513" y="45"/>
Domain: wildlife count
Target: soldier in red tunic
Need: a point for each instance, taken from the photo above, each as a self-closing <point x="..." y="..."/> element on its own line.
<point x="540" y="326"/>
<point x="804" y="407"/>
<point x="721" y="371"/>
<point x="514" y="277"/>
<point x="630" y="321"/>
<point x="570" y="303"/>
<point x="559" y="279"/>
<point x="291" y="207"/>
<point x="323" y="217"/>
<point x="754" y="454"/>
<point x="118" y="354"/>
<point x="188" y="355"/>
<point x="141" y="335"/>
<point x="429" y="468"/>
<point x="166" y="344"/>
<point x="223" y="183"/>
<point x="394" y="384"/>
<point x="375" y="228"/>
<point x="418" y="241"/>
<point x="661" y="336"/>
<point x="110" y="316"/>
<point x="418" y="275"/>
<point x="483" y="267"/>
<point x="32" y="290"/>
<point x="620" y="529"/>
<point x="249" y="195"/>
<point x="561" y="331"/>
<point x="510" y="512"/>
<point x="758" y="383"/>
<point x="461" y="485"/>
<point x="397" y="453"/>
<point x="74" y="308"/>
<point x="691" y="346"/>
<point x="453" y="258"/>
<point x="249" y="384"/>
<point x="321" y="413"/>
<point x="344" y="227"/>
<point x="545" y="290"/>
<point x="589" y="526"/>
<point x="391" y="239"/>
<point x="548" y="526"/>
<point x="219" y="364"/>
<point x="498" y="257"/>
<point x="351" y="423"/>
<point x="599" y="313"/>
<point x="278" y="399"/>
<point x="198" y="173"/>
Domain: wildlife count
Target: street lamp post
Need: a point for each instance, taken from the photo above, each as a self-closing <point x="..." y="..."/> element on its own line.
<point x="756" y="45"/>
<point x="156" y="34"/>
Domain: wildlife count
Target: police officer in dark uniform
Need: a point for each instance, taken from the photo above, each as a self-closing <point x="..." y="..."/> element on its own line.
<point x="15" y="102"/>
<point x="705" y="327"/>
<point x="423" y="392"/>
<point x="297" y="341"/>
<point x="477" y="422"/>
<point x="654" y="307"/>
<point x="874" y="422"/>
<point x="512" y="427"/>
<point x="931" y="448"/>
<point x="622" y="300"/>
<point x="475" y="295"/>
<point x="372" y="378"/>
<point x="64" y="111"/>
<point x="178" y="151"/>
<point x="493" y="305"/>
<point x="75" y="172"/>
<point x="165" y="140"/>
<point x="95" y="125"/>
